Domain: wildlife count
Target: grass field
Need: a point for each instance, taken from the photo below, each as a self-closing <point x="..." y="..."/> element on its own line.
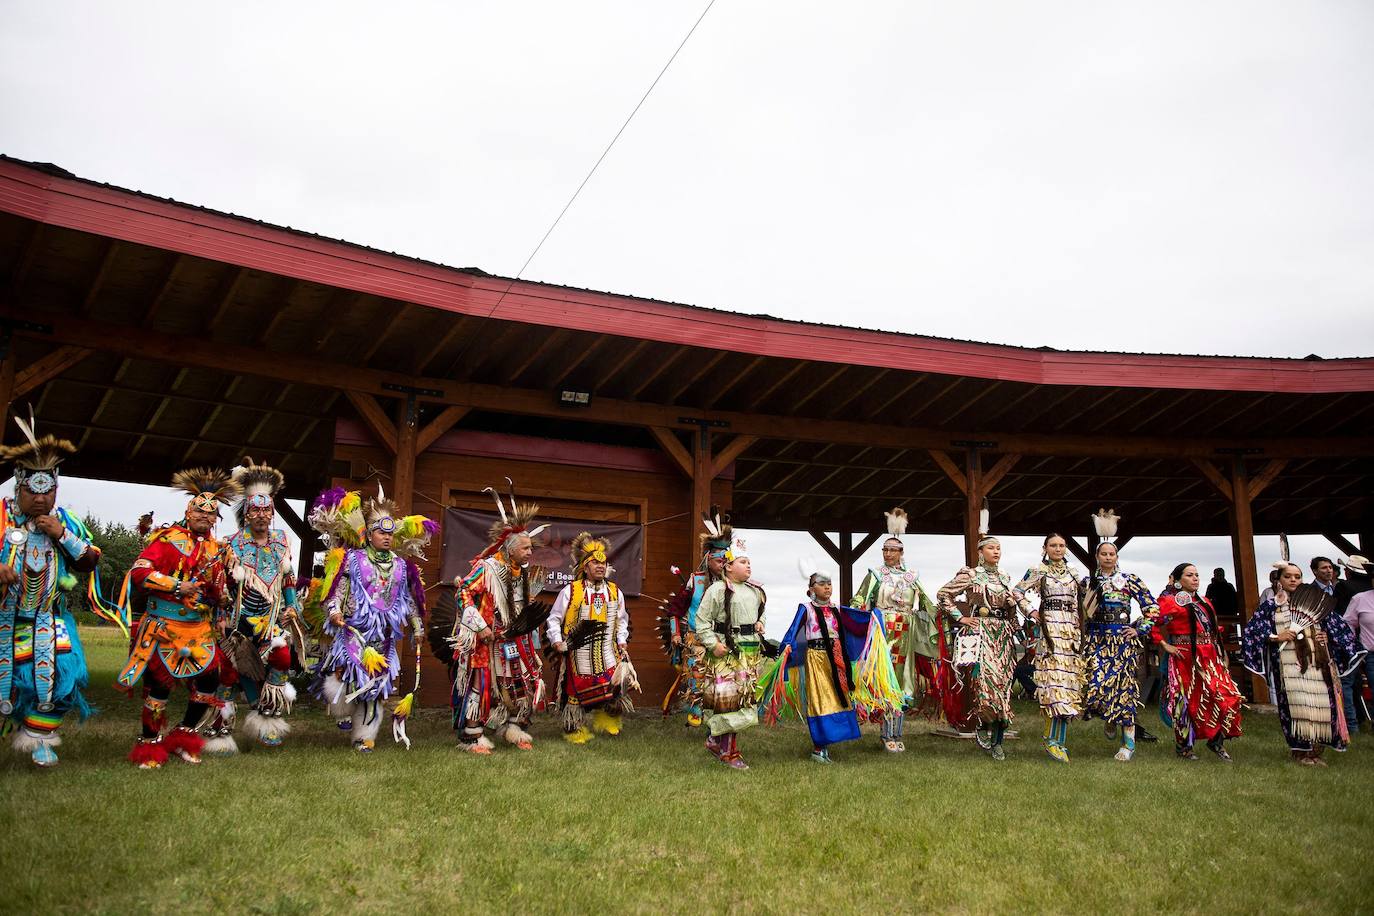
<point x="647" y="822"/>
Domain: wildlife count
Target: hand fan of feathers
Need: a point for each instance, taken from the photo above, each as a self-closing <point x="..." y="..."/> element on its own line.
<point x="443" y="617"/>
<point x="675" y="607"/>
<point x="583" y="632"/>
<point x="1308" y="604"/>
<point x="535" y="614"/>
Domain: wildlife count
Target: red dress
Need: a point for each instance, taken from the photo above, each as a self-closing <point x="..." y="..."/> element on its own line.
<point x="1202" y="695"/>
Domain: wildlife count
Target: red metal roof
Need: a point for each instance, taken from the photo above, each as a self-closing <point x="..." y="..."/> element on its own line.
<point x="40" y="194"/>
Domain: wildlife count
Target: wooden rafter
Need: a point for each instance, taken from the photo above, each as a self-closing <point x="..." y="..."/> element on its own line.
<point x="549" y="344"/>
<point x="653" y="376"/>
<point x="442" y="423"/>
<point x="874" y="377"/>
<point x="164" y="290"/>
<point x="224" y="297"/>
<point x="46" y="368"/>
<point x="97" y="282"/>
<point x="375" y="418"/>
<point x="759" y="398"/>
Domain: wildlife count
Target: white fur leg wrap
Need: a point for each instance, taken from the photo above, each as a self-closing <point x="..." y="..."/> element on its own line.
<point x="26" y="742"/>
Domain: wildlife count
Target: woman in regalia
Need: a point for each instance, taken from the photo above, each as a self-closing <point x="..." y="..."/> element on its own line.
<point x="1202" y="699"/>
<point x="1296" y="642"/>
<point x="1058" y="654"/>
<point x="981" y="603"/>
<point x="823" y="670"/>
<point x="1111" y="643"/>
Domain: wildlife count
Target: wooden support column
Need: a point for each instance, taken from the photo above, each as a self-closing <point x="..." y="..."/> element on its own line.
<point x="1243" y="553"/>
<point x="973" y="504"/>
<point x="306" y="561"/>
<point x="1121" y="541"/>
<point x="407" y="433"/>
<point x="701" y="482"/>
<point x="846" y="583"/>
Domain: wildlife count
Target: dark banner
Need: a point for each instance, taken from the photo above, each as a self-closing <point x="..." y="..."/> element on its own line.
<point x="465" y="536"/>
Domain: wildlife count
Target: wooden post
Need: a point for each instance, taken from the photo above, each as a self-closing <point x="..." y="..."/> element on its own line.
<point x="702" y="475"/>
<point x="1243" y="553"/>
<point x="846" y="582"/>
<point x="973" y="505"/>
<point x="403" y="472"/>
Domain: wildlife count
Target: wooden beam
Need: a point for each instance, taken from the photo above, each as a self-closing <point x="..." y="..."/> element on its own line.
<point x="973" y="504"/>
<point x="1243" y="553"/>
<point x="317" y="372"/>
<point x="293" y="520"/>
<point x="653" y="376"/>
<point x="441" y="424"/>
<point x="669" y="442"/>
<point x="160" y="299"/>
<point x="46" y="368"/>
<point x="730" y="452"/>
<point x="98" y="281"/>
<point x="952" y="470"/>
<point x="1209" y="470"/>
<point x="831" y="549"/>
<point x="441" y="342"/>
<point x="403" y="469"/>
<point x="701" y="481"/>
<point x="1266" y="476"/>
<point x="375" y="417"/>
<point x="6" y="381"/>
<point x="760" y="397"/>
<point x="1341" y="543"/>
<point x="998" y="471"/>
<point x="550" y="342"/>
<point x="224" y="297"/>
<point x="846" y="566"/>
<point x="1121" y="541"/>
<point x="1082" y="554"/>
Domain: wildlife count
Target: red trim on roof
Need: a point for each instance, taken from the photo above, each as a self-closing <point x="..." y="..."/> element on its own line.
<point x="114" y="213"/>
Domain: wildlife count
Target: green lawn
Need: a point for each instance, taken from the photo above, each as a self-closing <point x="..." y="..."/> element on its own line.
<point x="647" y="822"/>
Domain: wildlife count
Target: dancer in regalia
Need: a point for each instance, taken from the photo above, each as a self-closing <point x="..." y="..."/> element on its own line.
<point x="42" y="665"/>
<point x="909" y="619"/>
<point x="263" y="623"/>
<point x="1111" y="646"/>
<point x="1059" y="651"/>
<point x="588" y="628"/>
<point x="1202" y="699"/>
<point x="678" y="617"/>
<point x="181" y="577"/>
<point x="730" y="629"/>
<point x="1297" y="643"/>
<point x="373" y="595"/>
<point x="981" y="603"/>
<point x="496" y="671"/>
<point x="824" y="671"/>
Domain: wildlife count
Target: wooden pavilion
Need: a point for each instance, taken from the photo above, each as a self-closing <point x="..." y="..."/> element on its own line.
<point x="160" y="335"/>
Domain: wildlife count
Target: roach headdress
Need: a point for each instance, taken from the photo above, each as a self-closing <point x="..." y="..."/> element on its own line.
<point x="260" y="483"/>
<point x="36" y="460"/>
<point x="511" y="522"/>
<point x="209" y="488"/>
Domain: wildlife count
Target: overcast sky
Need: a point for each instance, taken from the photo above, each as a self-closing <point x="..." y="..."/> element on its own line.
<point x="1174" y="177"/>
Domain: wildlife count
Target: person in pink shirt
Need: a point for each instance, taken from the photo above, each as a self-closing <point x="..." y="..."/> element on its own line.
<point x="1359" y="613"/>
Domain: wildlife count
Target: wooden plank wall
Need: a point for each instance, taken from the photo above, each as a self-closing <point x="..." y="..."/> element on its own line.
<point x="666" y="504"/>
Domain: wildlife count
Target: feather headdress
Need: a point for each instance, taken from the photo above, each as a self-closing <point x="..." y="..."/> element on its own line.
<point x="209" y="488"/>
<point x="985" y="524"/>
<point x="338" y="516"/>
<point x="1105" y="522"/>
<point x="584" y="548"/>
<point x="1285" y="555"/>
<point x="718" y="534"/>
<point x="512" y="521"/>
<point x="36" y="455"/>
<point x="896" y="526"/>
<point x="260" y="483"/>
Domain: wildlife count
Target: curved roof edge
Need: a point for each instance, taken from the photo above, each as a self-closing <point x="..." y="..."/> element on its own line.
<point x="50" y="195"/>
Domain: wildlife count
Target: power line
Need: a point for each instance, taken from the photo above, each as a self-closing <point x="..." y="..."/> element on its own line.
<point x="597" y="164"/>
